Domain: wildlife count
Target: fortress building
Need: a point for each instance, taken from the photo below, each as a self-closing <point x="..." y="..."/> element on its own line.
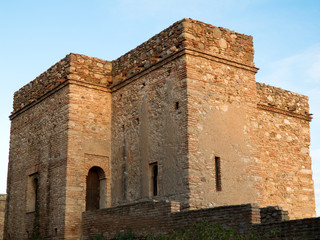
<point x="179" y="120"/>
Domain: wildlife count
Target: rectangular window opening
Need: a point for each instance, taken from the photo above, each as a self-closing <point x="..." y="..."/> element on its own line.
<point x="218" y="173"/>
<point x="32" y="192"/>
<point x="153" y="173"/>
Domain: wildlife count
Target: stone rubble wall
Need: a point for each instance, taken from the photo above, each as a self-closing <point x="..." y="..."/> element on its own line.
<point x="185" y="34"/>
<point x="2" y="212"/>
<point x="149" y="125"/>
<point x="283" y="100"/>
<point x="45" y="82"/>
<point x="218" y="41"/>
<point x="90" y="70"/>
<point x="73" y="66"/>
<point x="283" y="145"/>
<point x="149" y="53"/>
<point x="273" y="214"/>
<point x="38" y="145"/>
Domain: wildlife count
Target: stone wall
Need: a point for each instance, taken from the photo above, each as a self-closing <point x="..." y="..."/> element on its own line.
<point x="283" y="144"/>
<point x="2" y="211"/>
<point x="38" y="147"/>
<point x="73" y="66"/>
<point x="65" y="109"/>
<point x="162" y="217"/>
<point x="219" y="42"/>
<point x="221" y="124"/>
<point x="185" y="34"/>
<point x="89" y="145"/>
<point x="146" y="55"/>
<point x="149" y="126"/>
<point x="273" y="214"/>
<point x="181" y="100"/>
<point x="231" y="55"/>
<point x="284" y="101"/>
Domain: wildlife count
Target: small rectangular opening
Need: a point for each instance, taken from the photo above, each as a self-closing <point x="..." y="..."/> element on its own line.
<point x="177" y="105"/>
<point x="153" y="173"/>
<point x="32" y="192"/>
<point x="218" y="173"/>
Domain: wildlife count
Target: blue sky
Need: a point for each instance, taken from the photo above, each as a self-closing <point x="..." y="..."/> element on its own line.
<point x="36" y="34"/>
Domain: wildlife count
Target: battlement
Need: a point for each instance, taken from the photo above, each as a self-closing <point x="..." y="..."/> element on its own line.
<point x="72" y="67"/>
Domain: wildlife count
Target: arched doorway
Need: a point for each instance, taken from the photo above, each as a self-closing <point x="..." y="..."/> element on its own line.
<point x="96" y="189"/>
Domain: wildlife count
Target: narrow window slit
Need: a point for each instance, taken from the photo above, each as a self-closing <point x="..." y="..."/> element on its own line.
<point x="177" y="105"/>
<point x="218" y="173"/>
<point x="153" y="169"/>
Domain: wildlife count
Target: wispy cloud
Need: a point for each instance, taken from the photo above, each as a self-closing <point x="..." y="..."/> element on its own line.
<point x="295" y="70"/>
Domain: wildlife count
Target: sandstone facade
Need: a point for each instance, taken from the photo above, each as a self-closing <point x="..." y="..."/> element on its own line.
<point x="180" y="118"/>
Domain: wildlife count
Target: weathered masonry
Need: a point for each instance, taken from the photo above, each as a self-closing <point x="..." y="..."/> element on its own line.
<point x="2" y="211"/>
<point x="180" y="118"/>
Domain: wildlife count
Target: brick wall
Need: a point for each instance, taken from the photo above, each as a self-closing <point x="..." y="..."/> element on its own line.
<point x="154" y="217"/>
<point x="2" y="211"/>
<point x="162" y="217"/>
<point x="308" y="228"/>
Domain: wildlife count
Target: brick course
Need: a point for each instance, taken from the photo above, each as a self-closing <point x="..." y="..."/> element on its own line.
<point x="161" y="217"/>
<point x="155" y="217"/>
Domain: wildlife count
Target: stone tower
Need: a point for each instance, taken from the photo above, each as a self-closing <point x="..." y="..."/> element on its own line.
<point x="180" y="118"/>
